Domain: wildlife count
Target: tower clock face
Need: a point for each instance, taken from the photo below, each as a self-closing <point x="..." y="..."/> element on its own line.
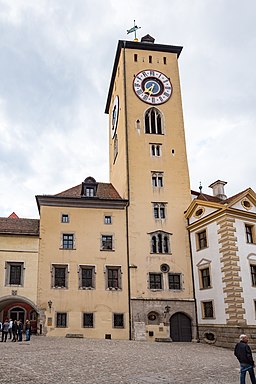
<point x="114" y="116"/>
<point x="152" y="87"/>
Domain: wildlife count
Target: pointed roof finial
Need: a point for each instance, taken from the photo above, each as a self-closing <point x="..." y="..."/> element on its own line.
<point x="133" y="29"/>
<point x="200" y="187"/>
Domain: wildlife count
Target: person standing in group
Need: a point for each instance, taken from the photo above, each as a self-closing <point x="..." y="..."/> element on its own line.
<point x="10" y="328"/>
<point x="243" y="354"/>
<point x="27" y="330"/>
<point x="20" y="330"/>
<point x="14" y="331"/>
<point x="5" y="329"/>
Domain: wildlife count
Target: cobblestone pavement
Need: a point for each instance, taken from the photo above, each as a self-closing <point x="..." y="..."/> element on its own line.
<point x="62" y="361"/>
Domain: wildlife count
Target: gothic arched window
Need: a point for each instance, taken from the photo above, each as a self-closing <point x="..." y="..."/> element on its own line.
<point x="160" y="242"/>
<point x="153" y="121"/>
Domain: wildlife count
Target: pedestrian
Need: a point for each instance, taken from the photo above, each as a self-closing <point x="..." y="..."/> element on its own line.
<point x="14" y="331"/>
<point x="5" y="328"/>
<point x="10" y="328"/>
<point x="27" y="330"/>
<point x="20" y="330"/>
<point x="244" y="355"/>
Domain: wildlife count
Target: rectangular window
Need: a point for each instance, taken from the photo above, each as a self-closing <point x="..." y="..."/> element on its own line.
<point x="67" y="241"/>
<point x="61" y="320"/>
<point x="65" y="218"/>
<point x="159" y="210"/>
<point x="118" y="320"/>
<point x="107" y="219"/>
<point x="207" y="309"/>
<point x="155" y="150"/>
<point x="155" y="281"/>
<point x="174" y="281"/>
<point x="253" y="274"/>
<point x="86" y="276"/>
<point x="14" y="273"/>
<point x="89" y="192"/>
<point x="201" y="240"/>
<point x="157" y="179"/>
<point x="106" y="242"/>
<point x="205" y="278"/>
<point x="150" y="59"/>
<point x="59" y="276"/>
<point x="249" y="233"/>
<point x="114" y="277"/>
<point x="135" y="57"/>
<point x="88" y="320"/>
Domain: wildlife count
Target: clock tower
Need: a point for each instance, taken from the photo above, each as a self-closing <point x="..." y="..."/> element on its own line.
<point x="148" y="167"/>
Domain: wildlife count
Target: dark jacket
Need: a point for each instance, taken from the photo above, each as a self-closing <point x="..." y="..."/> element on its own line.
<point x="243" y="353"/>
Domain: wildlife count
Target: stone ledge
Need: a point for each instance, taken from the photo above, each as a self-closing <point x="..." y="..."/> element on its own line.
<point x="75" y="335"/>
<point x="163" y="339"/>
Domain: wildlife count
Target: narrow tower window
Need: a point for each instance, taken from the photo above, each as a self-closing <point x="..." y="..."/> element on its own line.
<point x="153" y="121"/>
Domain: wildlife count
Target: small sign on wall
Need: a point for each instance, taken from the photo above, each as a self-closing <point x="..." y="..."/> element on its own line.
<point x="49" y="321"/>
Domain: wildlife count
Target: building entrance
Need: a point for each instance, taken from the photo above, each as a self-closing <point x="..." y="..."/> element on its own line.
<point x="180" y="327"/>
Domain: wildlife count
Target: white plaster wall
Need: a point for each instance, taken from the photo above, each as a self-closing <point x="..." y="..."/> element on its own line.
<point x="241" y="208"/>
<point x="207" y="211"/>
<point x="215" y="293"/>
<point x="246" y="251"/>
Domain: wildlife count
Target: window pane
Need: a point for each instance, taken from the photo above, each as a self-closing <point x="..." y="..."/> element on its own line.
<point x="87" y="274"/>
<point x="113" y="277"/>
<point x="253" y="274"/>
<point x="118" y="320"/>
<point x="61" y="320"/>
<point x="208" y="309"/>
<point x="68" y="241"/>
<point x="174" y="281"/>
<point x="202" y="240"/>
<point x="60" y="277"/>
<point x="106" y="242"/>
<point x="155" y="280"/>
<point x="88" y="320"/>
<point x="15" y="274"/>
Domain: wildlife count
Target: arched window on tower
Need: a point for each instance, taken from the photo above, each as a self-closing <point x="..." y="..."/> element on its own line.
<point x="153" y="121"/>
<point x="160" y="242"/>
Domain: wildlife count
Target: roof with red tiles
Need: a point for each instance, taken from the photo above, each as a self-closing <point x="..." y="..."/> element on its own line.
<point x="103" y="191"/>
<point x="13" y="226"/>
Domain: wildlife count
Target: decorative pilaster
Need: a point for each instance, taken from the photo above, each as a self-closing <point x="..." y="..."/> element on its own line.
<point x="230" y="271"/>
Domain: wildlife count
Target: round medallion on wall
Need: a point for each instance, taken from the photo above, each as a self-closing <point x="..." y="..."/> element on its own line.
<point x="114" y="116"/>
<point x="246" y="204"/>
<point x="152" y="87"/>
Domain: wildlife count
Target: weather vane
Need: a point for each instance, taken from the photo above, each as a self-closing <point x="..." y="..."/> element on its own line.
<point x="133" y="29"/>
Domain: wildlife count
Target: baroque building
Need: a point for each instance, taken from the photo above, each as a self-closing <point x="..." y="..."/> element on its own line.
<point x="141" y="257"/>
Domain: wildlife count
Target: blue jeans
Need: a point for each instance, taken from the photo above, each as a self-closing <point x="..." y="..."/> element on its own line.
<point x="27" y="334"/>
<point x="243" y="369"/>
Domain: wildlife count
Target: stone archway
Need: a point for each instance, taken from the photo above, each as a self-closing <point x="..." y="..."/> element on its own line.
<point x="180" y="327"/>
<point x="20" y="308"/>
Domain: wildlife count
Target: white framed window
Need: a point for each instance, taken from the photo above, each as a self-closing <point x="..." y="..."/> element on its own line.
<point x="156" y="150"/>
<point x="157" y="179"/>
<point x="65" y="218"/>
<point x="159" y="210"/>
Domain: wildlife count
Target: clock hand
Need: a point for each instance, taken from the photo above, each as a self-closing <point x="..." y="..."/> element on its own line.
<point x="149" y="90"/>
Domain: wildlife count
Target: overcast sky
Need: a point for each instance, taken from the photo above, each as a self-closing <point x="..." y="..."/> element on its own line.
<point x="56" y="59"/>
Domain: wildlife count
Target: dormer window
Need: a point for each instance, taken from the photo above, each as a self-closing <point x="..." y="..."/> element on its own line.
<point x="89" y="192"/>
<point x="89" y="187"/>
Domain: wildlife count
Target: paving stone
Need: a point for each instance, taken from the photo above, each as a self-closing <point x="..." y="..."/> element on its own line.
<point x="48" y="360"/>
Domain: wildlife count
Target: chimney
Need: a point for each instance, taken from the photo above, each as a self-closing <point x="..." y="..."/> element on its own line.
<point x="218" y="189"/>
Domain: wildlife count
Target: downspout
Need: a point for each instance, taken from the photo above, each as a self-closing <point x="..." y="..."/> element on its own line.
<point x="193" y="285"/>
<point x="128" y="193"/>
